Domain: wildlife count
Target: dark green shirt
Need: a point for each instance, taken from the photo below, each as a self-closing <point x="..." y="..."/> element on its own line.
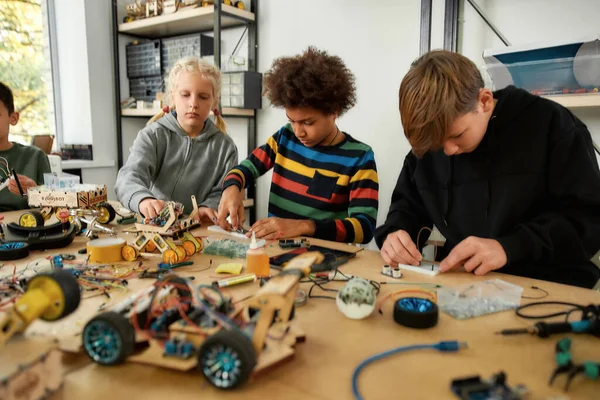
<point x="25" y="160"/>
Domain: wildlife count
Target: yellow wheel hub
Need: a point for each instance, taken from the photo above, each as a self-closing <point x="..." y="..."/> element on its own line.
<point x="28" y="220"/>
<point x="53" y="291"/>
<point x="189" y="246"/>
<point x="128" y="253"/>
<point x="104" y="215"/>
<point x="170" y="257"/>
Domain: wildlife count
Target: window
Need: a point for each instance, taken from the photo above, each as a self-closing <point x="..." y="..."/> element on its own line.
<point x="26" y="66"/>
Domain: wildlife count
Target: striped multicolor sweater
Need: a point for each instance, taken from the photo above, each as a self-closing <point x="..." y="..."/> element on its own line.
<point x="335" y="186"/>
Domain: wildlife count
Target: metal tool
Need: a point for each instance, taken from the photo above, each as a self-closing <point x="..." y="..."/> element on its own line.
<point x="545" y="329"/>
<point x="565" y="364"/>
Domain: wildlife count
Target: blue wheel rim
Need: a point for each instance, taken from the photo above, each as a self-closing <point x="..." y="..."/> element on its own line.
<point x="12" y="246"/>
<point x="221" y="365"/>
<point x="102" y="342"/>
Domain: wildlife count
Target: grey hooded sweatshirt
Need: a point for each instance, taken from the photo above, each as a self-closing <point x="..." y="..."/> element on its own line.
<point x="166" y="164"/>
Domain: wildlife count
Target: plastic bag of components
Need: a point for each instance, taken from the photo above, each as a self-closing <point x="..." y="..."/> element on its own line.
<point x="481" y="298"/>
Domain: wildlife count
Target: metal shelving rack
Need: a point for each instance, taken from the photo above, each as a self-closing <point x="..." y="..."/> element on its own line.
<point x="213" y="18"/>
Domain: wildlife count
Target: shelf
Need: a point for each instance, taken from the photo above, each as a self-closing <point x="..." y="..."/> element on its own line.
<point x="576" y="100"/>
<point x="186" y="21"/>
<point x="84" y="164"/>
<point x="149" y="112"/>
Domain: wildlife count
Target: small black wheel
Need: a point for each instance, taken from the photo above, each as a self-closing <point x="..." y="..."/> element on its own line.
<point x="107" y="213"/>
<point x="109" y="338"/>
<point x="31" y="219"/>
<point x="226" y="359"/>
<point x="13" y="251"/>
<point x="63" y="290"/>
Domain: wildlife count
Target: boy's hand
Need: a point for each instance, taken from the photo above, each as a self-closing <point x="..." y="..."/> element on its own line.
<point x="231" y="204"/>
<point x="281" y="228"/>
<point x="150" y="207"/>
<point x="25" y="182"/>
<point x="478" y="255"/>
<point x="206" y="214"/>
<point x="399" y="248"/>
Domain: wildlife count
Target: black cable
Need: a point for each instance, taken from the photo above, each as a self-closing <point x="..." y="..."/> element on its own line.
<point x="574" y="306"/>
<point x="546" y="294"/>
<point x="239" y="41"/>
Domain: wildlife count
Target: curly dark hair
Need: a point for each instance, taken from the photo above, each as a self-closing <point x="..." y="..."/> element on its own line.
<point x="313" y="79"/>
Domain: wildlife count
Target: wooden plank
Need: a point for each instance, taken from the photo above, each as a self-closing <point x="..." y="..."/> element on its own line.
<point x="185" y="21"/>
<point x="151" y="112"/>
<point x="576" y="100"/>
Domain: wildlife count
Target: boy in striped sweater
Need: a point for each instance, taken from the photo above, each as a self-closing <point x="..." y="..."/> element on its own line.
<point x="324" y="181"/>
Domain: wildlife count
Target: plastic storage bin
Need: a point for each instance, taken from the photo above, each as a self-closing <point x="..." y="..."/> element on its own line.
<point x="145" y="88"/>
<point x="60" y="181"/>
<point x="549" y="68"/>
<point x="241" y="90"/>
<point x="174" y="48"/>
<point x="143" y="59"/>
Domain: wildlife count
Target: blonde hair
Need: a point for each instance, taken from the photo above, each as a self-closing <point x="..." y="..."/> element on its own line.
<point x="208" y="71"/>
<point x="439" y="87"/>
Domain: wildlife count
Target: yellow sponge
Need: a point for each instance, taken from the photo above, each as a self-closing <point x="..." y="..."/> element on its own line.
<point x="229" y="268"/>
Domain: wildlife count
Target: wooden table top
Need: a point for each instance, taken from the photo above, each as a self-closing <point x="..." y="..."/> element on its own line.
<point x="335" y="345"/>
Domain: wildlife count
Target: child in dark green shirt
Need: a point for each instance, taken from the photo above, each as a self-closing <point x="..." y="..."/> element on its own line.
<point x="29" y="162"/>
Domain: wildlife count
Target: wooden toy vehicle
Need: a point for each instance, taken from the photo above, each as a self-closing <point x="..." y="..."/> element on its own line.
<point x="160" y="234"/>
<point x="50" y="297"/>
<point x="135" y="11"/>
<point x="184" y="327"/>
<point x="84" y="198"/>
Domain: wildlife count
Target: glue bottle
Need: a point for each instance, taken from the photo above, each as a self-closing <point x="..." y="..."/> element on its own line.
<point x="257" y="261"/>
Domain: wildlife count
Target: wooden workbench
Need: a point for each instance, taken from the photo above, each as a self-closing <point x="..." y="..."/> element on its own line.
<point x="323" y="365"/>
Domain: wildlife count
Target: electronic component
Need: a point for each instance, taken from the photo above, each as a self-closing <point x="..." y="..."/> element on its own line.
<point x="391" y="272"/>
<point x="495" y="388"/>
<point x="294" y="243"/>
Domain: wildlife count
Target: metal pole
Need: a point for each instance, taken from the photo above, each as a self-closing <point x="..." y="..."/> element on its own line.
<point x="451" y="25"/>
<point x="425" y="40"/>
<point x="489" y="23"/>
<point x="217" y="33"/>
<point x="117" y="85"/>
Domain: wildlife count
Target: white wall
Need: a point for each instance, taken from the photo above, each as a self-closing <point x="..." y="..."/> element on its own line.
<point x="73" y="72"/>
<point x="532" y="21"/>
<point x="377" y="40"/>
<point x="84" y="46"/>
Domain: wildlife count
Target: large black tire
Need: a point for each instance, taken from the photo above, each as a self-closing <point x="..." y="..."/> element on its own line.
<point x="235" y="353"/>
<point x="31" y="219"/>
<point x="108" y="339"/>
<point x="108" y="213"/>
<point x="13" y="251"/>
<point x="69" y="298"/>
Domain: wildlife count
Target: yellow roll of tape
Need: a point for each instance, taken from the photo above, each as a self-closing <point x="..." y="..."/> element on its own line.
<point x="105" y="250"/>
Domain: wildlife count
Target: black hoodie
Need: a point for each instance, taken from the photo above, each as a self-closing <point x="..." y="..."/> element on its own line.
<point x="533" y="184"/>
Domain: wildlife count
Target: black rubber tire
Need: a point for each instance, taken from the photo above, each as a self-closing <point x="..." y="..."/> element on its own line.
<point x="13" y="251"/>
<point x="412" y="317"/>
<point x="124" y="330"/>
<point x="237" y="341"/>
<point x="110" y="210"/>
<point x="69" y="287"/>
<point x="39" y="218"/>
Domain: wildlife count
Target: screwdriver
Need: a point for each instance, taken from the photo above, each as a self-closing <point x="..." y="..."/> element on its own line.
<point x="545" y="329"/>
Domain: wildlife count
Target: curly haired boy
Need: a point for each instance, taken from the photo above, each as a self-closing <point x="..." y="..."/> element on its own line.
<point x="324" y="181"/>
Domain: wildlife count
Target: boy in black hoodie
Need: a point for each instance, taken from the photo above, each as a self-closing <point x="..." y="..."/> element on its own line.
<point x="510" y="179"/>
